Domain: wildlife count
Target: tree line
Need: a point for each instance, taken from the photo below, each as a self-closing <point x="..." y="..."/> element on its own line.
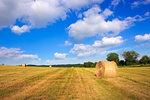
<point x="130" y="58"/>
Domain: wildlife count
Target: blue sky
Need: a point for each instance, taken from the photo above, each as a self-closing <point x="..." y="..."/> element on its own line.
<point x="74" y="31"/>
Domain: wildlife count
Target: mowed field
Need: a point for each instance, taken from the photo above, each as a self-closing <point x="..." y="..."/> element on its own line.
<point x="18" y="82"/>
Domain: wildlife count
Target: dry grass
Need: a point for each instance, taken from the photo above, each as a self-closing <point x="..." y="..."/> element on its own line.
<point x="30" y="83"/>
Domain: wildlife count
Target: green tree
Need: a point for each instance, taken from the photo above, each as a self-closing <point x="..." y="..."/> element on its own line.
<point x="130" y="57"/>
<point x="94" y="64"/>
<point x="145" y="59"/>
<point x="122" y="62"/>
<point x="113" y="57"/>
<point x="149" y="61"/>
<point x="88" y="64"/>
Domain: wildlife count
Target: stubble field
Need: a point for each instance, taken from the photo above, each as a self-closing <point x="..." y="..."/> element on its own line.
<point x="16" y="82"/>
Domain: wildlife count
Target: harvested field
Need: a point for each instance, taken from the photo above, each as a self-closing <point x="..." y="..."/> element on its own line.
<point x="30" y="83"/>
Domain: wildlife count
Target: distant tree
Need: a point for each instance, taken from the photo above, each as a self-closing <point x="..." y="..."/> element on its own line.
<point x="145" y="59"/>
<point x="94" y="64"/>
<point x="122" y="62"/>
<point x="88" y="64"/>
<point x="113" y="57"/>
<point x="149" y="61"/>
<point x="81" y="65"/>
<point x="130" y="57"/>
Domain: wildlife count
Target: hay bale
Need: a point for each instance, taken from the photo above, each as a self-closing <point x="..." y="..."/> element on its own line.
<point x="106" y="69"/>
<point x="50" y="66"/>
<point x="23" y="65"/>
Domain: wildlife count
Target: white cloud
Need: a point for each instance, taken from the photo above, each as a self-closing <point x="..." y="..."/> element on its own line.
<point x="77" y="4"/>
<point x="112" y="41"/>
<point x="147" y="14"/>
<point x="144" y="37"/>
<point x="98" y="46"/>
<point x="38" y="13"/>
<point x="142" y="2"/>
<point x="75" y="60"/>
<point x="97" y="24"/>
<point x="43" y="12"/>
<point x="79" y="15"/>
<point x="94" y="10"/>
<point x="67" y="43"/>
<point x="20" y="30"/>
<point x="15" y="56"/>
<point x="115" y="2"/>
<point x="107" y="12"/>
<point x="10" y="10"/>
<point x="82" y="50"/>
<point x="60" y="55"/>
<point x="63" y="61"/>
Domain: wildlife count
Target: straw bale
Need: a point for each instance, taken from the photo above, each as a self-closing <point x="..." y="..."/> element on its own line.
<point x="106" y="69"/>
<point x="23" y="65"/>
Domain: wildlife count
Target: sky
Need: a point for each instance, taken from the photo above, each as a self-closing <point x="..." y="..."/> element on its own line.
<point x="72" y="31"/>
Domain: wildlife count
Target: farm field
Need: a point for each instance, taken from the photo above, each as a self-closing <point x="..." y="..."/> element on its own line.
<point x="16" y="82"/>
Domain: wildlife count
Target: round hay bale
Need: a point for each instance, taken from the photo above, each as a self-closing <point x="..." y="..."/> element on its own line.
<point x="23" y="65"/>
<point x="50" y="66"/>
<point x="106" y="69"/>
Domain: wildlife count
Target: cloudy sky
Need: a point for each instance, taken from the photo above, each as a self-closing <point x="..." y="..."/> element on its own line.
<point x="72" y="31"/>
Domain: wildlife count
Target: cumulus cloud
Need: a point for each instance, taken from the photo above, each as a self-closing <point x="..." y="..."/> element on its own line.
<point x="11" y="10"/>
<point x="98" y="46"/>
<point x="43" y="12"/>
<point x="15" y="56"/>
<point x="142" y="2"/>
<point x="38" y="13"/>
<point x="94" y="10"/>
<point x="95" y="23"/>
<point x="19" y="30"/>
<point x="112" y="41"/>
<point x="77" y="4"/>
<point x="82" y="50"/>
<point x="144" y="37"/>
<point x="60" y="55"/>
